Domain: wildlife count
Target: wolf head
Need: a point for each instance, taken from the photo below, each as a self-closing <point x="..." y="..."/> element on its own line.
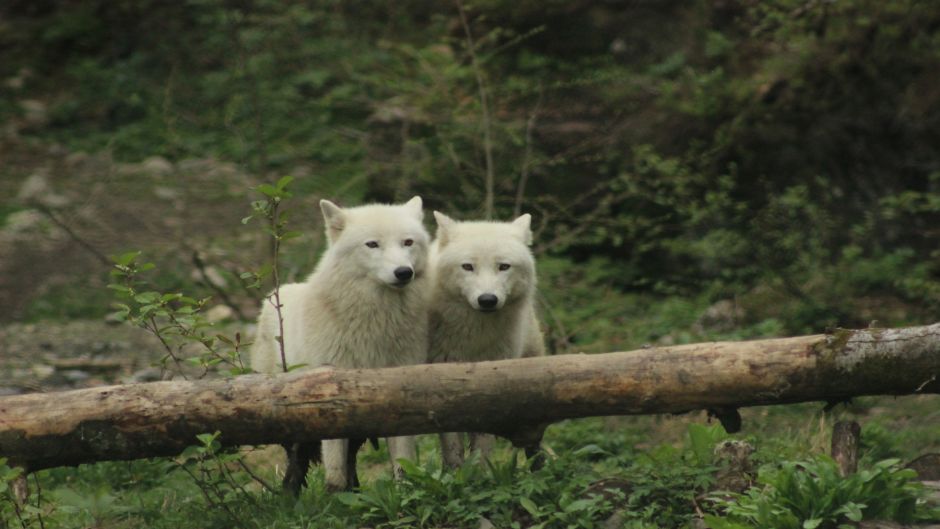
<point x="385" y="243"/>
<point x="488" y="264"/>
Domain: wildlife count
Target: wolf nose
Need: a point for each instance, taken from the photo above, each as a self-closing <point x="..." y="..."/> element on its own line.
<point x="404" y="273"/>
<point x="487" y="301"/>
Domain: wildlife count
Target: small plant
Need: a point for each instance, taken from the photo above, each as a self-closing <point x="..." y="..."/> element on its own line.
<point x="221" y="475"/>
<point x="269" y="210"/>
<point x="175" y="319"/>
<point x="813" y="494"/>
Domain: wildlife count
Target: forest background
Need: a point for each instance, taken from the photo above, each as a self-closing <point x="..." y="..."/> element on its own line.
<point x="696" y="170"/>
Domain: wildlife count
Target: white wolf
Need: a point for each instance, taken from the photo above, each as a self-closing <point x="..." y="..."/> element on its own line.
<point x="482" y="301"/>
<point x="364" y="306"/>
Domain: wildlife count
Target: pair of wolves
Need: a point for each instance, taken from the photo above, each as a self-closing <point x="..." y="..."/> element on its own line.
<point x="384" y="295"/>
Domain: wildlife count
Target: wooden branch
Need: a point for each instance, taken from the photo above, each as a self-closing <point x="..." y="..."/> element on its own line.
<point x="506" y="398"/>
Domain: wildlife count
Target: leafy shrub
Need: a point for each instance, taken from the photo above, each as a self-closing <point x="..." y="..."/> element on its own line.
<point x="813" y="494"/>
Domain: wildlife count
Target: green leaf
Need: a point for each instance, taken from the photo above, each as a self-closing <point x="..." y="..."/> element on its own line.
<point x="852" y="511"/>
<point x="147" y="297"/>
<point x="714" y="522"/>
<point x="812" y="523"/>
<point x="350" y="499"/>
<point x="126" y="258"/>
<point x="284" y="181"/>
<point x="579" y="505"/>
<point x="529" y="506"/>
<point x="267" y="190"/>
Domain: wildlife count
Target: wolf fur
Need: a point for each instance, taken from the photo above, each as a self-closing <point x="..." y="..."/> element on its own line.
<point x="364" y="306"/>
<point x="471" y="264"/>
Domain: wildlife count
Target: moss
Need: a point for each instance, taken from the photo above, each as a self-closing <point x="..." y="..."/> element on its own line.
<point x="832" y="346"/>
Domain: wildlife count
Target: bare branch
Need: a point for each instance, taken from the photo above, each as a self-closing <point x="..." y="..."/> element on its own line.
<point x="485" y="109"/>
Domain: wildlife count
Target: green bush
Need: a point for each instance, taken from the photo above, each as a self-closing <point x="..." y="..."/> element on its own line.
<point x="813" y="494"/>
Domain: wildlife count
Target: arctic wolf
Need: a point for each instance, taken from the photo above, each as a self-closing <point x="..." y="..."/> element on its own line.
<point x="482" y="301"/>
<point x="364" y="306"/>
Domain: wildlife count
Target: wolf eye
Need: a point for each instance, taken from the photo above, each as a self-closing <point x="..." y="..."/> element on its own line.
<point x="408" y="242"/>
<point x="372" y="244"/>
<point x="467" y="266"/>
<point x="503" y="267"/>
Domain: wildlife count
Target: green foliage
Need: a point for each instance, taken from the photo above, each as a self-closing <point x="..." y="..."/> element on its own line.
<point x="813" y="494"/>
<point x="176" y="320"/>
<point x="702" y="151"/>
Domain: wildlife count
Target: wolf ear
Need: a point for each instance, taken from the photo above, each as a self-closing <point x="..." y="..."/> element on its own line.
<point x="414" y="205"/>
<point x="444" y="224"/>
<point x="523" y="226"/>
<point x="335" y="219"/>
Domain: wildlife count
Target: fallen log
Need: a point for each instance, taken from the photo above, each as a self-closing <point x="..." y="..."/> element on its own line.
<point x="506" y="397"/>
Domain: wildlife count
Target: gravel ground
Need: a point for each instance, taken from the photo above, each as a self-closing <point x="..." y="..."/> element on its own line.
<point x="77" y="354"/>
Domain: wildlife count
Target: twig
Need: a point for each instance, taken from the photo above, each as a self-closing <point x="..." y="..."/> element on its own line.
<point x="75" y="237"/>
<point x="42" y="525"/>
<point x="485" y="109"/>
<point x="258" y="479"/>
<point x="275" y="249"/>
<point x="524" y="171"/>
<point x="223" y="295"/>
<point x="155" y="330"/>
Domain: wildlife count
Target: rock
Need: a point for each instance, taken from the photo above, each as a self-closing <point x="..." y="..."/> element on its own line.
<point x="210" y="274"/>
<point x="150" y="374"/>
<point x="933" y="492"/>
<point x="57" y="150"/>
<point x="166" y="193"/>
<point x="9" y="390"/>
<point x="37" y="190"/>
<point x="35" y="113"/>
<point x="23" y="222"/>
<point x="219" y="313"/>
<point x="75" y="376"/>
<point x="75" y="160"/>
<point x="927" y="467"/>
<point x="113" y="319"/>
<point x="614" y="521"/>
<point x="42" y="370"/>
<point x="722" y="316"/>
<point x="157" y="166"/>
<point x="35" y="186"/>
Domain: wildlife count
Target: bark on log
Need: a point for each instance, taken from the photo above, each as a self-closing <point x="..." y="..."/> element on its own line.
<point x="506" y="398"/>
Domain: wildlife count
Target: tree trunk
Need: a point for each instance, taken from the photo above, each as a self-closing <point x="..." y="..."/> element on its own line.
<point x="845" y="439"/>
<point x="507" y="398"/>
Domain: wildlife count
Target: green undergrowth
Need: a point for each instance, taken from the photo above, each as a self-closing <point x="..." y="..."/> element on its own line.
<point x="649" y="472"/>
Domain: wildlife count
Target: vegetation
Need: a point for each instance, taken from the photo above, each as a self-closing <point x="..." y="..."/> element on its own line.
<point x="602" y="467"/>
<point x="696" y="170"/>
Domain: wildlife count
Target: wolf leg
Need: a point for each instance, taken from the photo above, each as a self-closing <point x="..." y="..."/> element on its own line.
<point x="354" y="446"/>
<point x="335" y="464"/>
<point x="299" y="457"/>
<point x="401" y="448"/>
<point x="452" y="449"/>
<point x="482" y="443"/>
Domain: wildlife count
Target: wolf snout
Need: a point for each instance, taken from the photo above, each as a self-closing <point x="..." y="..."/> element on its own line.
<point x="404" y="274"/>
<point x="487" y="301"/>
